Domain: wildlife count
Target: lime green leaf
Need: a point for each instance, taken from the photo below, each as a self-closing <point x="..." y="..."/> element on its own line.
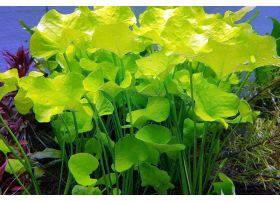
<point x="211" y="103"/>
<point x="114" y="14"/>
<point x="93" y="147"/>
<point x="94" y="81"/>
<point x="152" y="22"/>
<point x="154" y="64"/>
<point x="56" y="31"/>
<point x="246" y="114"/>
<point x="83" y="190"/>
<point x="154" y="134"/>
<point x="156" y="110"/>
<point x="84" y="124"/>
<point x="127" y="157"/>
<point x="14" y="166"/>
<point x="152" y="87"/>
<point x="88" y="64"/>
<point x="158" y="136"/>
<point x="233" y="17"/>
<point x="53" y="96"/>
<point x="109" y="70"/>
<point x="22" y="103"/>
<point x="152" y="176"/>
<point x="251" y="52"/>
<point x="10" y="80"/>
<point x="225" y="187"/>
<point x="111" y="176"/>
<point x="117" y="38"/>
<point x="3" y="147"/>
<point x="81" y="165"/>
<point x="188" y="131"/>
<point x="103" y="105"/>
<point x="167" y="148"/>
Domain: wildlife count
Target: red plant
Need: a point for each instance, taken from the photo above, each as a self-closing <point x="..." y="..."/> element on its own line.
<point x="22" y="60"/>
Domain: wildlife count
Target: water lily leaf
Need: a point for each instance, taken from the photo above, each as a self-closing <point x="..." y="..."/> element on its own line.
<point x="81" y="165"/>
<point x="53" y="96"/>
<point x="114" y="14"/>
<point x="88" y="64"/>
<point x="94" y="81"/>
<point x="22" y="103"/>
<point x="158" y="179"/>
<point x="101" y="181"/>
<point x="225" y="187"/>
<point x="154" y="134"/>
<point x="93" y="147"/>
<point x="167" y="148"/>
<point x="83" y="190"/>
<point x="155" y="64"/>
<point x="152" y="22"/>
<point x="117" y="38"/>
<point x="103" y="105"/>
<point x="246" y="114"/>
<point x="156" y="110"/>
<point x="233" y="17"/>
<point x="84" y="124"/>
<point x="14" y="166"/>
<point x="211" y="103"/>
<point x="188" y="131"/>
<point x="127" y="157"/>
<point x="152" y="87"/>
<point x="56" y="31"/>
<point x="251" y="52"/>
<point x="159" y="137"/>
<point x="109" y="70"/>
<point x="9" y="80"/>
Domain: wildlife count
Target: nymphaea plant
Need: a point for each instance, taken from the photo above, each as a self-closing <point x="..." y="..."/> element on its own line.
<point x="142" y="106"/>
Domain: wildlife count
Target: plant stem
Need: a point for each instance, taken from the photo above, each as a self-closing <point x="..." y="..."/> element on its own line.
<point x="195" y="131"/>
<point x="248" y="74"/>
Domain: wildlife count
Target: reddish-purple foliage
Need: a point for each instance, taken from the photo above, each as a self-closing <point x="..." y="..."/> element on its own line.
<point x="22" y="60"/>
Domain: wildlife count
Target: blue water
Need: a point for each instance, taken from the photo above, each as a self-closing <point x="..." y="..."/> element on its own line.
<point x="12" y="35"/>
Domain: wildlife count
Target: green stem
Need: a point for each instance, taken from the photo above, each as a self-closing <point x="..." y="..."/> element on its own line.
<point x="248" y="74"/>
<point x="201" y="160"/>
<point x="195" y="132"/>
<point x="62" y="167"/>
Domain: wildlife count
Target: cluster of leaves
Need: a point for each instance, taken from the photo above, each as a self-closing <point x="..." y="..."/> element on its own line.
<point x="132" y="101"/>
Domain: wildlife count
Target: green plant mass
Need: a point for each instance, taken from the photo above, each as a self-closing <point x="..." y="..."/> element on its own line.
<point x="137" y="106"/>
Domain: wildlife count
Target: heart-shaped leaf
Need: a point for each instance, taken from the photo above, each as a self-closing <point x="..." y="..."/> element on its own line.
<point x="81" y="165"/>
